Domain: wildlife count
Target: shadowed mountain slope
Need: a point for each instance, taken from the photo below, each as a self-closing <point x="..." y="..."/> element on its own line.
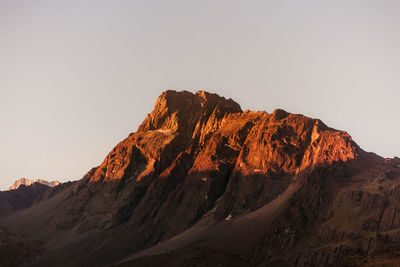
<point x="21" y="198"/>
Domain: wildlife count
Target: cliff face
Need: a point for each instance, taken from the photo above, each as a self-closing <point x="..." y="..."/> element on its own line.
<point x="306" y="192"/>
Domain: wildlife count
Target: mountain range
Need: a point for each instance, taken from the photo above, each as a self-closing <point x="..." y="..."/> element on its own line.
<point x="203" y="183"/>
<point x="27" y="182"/>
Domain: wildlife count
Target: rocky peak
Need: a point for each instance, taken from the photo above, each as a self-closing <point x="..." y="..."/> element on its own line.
<point x="279" y="114"/>
<point x="181" y="111"/>
<point x="184" y="122"/>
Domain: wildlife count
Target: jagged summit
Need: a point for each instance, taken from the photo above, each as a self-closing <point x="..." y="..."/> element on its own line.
<point x="185" y="122"/>
<point x="179" y="111"/>
<point x="27" y="182"/>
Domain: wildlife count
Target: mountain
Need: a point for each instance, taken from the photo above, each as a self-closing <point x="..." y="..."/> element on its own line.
<point x="27" y="182"/>
<point x="203" y="183"/>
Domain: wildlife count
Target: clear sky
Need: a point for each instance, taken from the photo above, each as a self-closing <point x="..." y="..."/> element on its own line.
<point x="77" y="76"/>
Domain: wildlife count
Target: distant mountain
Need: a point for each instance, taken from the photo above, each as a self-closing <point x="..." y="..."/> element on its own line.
<point x="203" y="183"/>
<point x="27" y="182"/>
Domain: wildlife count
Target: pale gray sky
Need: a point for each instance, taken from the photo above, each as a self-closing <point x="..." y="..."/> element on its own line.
<point x="76" y="77"/>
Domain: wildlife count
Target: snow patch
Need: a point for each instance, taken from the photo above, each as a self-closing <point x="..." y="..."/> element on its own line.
<point x="229" y="217"/>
